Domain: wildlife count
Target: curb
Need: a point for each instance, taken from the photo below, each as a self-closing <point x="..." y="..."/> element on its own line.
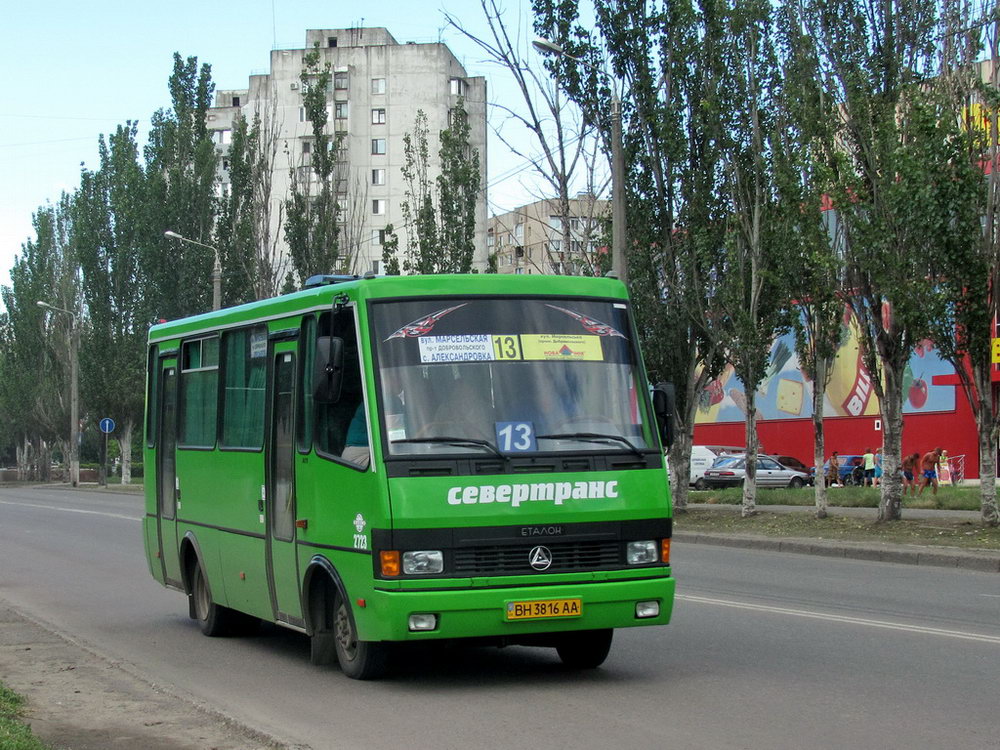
<point x="987" y="562"/>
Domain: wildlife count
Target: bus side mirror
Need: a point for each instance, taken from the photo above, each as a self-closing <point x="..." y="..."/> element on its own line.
<point x="663" y="409"/>
<point x="328" y="370"/>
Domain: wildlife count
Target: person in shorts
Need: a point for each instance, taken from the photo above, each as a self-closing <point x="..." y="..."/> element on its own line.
<point x="928" y="468"/>
<point x="869" y="464"/>
<point x="910" y="464"/>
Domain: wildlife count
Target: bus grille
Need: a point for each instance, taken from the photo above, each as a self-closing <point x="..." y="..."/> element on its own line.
<point x="513" y="560"/>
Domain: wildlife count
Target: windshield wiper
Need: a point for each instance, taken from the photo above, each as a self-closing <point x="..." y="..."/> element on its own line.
<point x="592" y="437"/>
<point x="458" y="442"/>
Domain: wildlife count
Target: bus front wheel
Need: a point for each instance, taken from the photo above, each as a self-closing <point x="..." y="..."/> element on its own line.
<point x="359" y="660"/>
<point x="585" y="649"/>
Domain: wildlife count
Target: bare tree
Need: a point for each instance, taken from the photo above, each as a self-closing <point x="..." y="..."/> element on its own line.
<point x="565" y="137"/>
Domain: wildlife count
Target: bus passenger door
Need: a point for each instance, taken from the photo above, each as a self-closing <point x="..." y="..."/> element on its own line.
<point x="282" y="565"/>
<point x="166" y="475"/>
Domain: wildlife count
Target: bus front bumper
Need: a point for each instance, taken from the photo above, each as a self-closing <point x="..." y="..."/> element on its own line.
<point x="387" y="615"/>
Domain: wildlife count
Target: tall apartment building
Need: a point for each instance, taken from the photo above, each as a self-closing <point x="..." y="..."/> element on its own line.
<point x="378" y="86"/>
<point x="533" y="239"/>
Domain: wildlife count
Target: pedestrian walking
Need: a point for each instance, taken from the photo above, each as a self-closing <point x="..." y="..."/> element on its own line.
<point x="928" y="466"/>
<point x="910" y="464"/>
<point x="878" y="467"/>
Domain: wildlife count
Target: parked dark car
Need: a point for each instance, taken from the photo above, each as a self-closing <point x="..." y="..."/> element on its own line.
<point x="791" y="462"/>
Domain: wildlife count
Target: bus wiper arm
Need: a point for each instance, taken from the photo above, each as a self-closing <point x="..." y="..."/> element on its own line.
<point x="593" y="437"/>
<point x="457" y="442"/>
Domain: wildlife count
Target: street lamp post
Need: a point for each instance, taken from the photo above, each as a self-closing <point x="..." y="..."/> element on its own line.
<point x="618" y="265"/>
<point x="216" y="268"/>
<point x="74" y="393"/>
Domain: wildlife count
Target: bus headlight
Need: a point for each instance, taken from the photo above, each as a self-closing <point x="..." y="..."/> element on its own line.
<point x="642" y="553"/>
<point x="423" y="562"/>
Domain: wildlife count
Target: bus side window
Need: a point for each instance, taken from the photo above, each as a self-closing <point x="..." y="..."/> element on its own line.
<point x="341" y="427"/>
<point x="199" y="392"/>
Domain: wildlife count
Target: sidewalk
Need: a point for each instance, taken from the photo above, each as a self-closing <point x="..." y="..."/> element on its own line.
<point x="908" y="554"/>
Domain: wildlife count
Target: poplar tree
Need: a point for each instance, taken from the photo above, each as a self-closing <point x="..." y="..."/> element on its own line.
<point x="180" y="166"/>
<point x="312" y="221"/>
<point x="439" y="215"/>
<point x="891" y="181"/>
<point x="109" y="230"/>
<point x="666" y="59"/>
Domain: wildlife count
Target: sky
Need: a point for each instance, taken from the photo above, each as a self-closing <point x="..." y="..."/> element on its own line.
<point x="72" y="71"/>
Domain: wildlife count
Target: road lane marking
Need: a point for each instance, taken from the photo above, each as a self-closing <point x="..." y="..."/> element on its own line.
<point x="72" y="510"/>
<point x="843" y="618"/>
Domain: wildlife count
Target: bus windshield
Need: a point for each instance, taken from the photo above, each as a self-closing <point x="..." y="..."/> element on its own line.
<point x="509" y="376"/>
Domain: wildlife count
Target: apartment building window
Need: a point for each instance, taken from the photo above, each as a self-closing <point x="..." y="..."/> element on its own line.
<point x="378" y="207"/>
<point x="555" y="222"/>
<point x="378" y="85"/>
<point x="519" y="233"/>
<point x="340" y="81"/>
<point x="340" y="110"/>
<point x="378" y="117"/>
<point x="378" y="237"/>
<point x="236" y="101"/>
<point x="378" y="177"/>
<point x="306" y="147"/>
<point x="342" y="186"/>
<point x="458" y="86"/>
<point x="489" y="238"/>
<point x="375" y="266"/>
<point x="331" y="41"/>
<point x="378" y="145"/>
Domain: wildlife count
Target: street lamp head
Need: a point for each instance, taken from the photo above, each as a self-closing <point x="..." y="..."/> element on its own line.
<point x="547" y="47"/>
<point x="172" y="235"/>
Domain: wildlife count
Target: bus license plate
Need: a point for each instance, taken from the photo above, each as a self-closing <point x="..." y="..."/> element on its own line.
<point x="532" y="610"/>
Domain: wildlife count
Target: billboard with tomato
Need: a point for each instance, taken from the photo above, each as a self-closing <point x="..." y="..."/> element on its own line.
<point x="786" y="393"/>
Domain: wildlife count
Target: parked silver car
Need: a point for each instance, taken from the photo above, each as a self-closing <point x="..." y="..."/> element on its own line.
<point x="730" y="471"/>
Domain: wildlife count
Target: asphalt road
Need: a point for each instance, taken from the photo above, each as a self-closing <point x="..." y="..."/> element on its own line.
<point x="767" y="650"/>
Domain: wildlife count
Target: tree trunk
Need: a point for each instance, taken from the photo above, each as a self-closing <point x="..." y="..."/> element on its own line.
<point x="750" y="483"/>
<point x="680" y="468"/>
<point x="24" y="459"/>
<point x="819" y="441"/>
<point x="892" y="445"/>
<point x="125" y="446"/>
<point x="986" y="430"/>
<point x="987" y="477"/>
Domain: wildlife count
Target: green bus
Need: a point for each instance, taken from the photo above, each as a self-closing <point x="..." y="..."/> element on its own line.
<point x="379" y="460"/>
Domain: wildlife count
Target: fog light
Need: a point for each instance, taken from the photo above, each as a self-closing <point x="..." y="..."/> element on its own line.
<point x="647" y="609"/>
<point x="423" y="562"/>
<point x="423" y="622"/>
<point x="641" y="553"/>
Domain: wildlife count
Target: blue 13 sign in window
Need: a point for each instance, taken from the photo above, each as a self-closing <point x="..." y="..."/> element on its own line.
<point x="516" y="437"/>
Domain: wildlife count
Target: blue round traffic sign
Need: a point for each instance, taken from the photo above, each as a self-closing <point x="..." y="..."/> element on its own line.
<point x="107" y="425"/>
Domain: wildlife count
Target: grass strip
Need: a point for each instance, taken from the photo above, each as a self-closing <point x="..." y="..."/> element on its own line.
<point x="936" y="532"/>
<point x="14" y="733"/>
<point x="947" y="498"/>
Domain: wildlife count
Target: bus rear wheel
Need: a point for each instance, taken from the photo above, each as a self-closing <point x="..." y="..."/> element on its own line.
<point x="585" y="649"/>
<point x="359" y="660"/>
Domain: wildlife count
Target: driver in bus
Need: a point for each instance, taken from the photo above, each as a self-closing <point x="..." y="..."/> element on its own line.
<point x="356" y="448"/>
